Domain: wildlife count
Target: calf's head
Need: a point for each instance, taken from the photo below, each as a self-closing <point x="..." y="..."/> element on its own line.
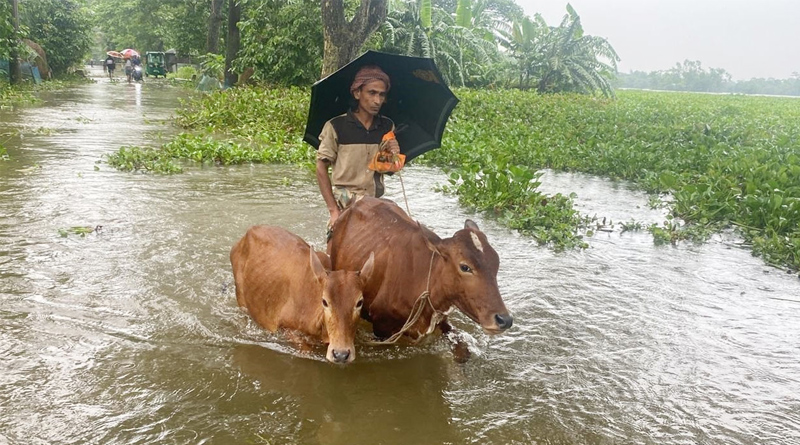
<point x="468" y="277"/>
<point x="341" y="302"/>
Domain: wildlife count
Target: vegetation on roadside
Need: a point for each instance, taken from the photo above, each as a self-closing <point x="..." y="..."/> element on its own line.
<point x="168" y="158"/>
<point x="61" y="27"/>
<point x="26" y="93"/>
<point x="11" y="95"/>
<point x="723" y="161"/>
<point x="726" y="161"/>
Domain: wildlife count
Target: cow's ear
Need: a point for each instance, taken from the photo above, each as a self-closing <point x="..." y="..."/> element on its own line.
<point x="367" y="268"/>
<point x="316" y="265"/>
<point x="431" y="242"/>
<point x="470" y="224"/>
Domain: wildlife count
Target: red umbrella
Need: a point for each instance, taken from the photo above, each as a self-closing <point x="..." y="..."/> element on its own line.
<point x="128" y="53"/>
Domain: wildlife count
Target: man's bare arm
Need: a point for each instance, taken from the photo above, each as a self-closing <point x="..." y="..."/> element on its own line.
<point x="325" y="188"/>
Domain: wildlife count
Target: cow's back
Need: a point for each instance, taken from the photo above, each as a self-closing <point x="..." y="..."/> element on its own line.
<point x="371" y="225"/>
<point x="412" y="261"/>
<point x="402" y="258"/>
<point x="273" y="277"/>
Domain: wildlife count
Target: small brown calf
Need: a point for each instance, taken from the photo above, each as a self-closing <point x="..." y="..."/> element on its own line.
<point x="282" y="282"/>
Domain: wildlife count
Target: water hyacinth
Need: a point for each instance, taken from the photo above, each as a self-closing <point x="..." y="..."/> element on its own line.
<point x="723" y="161"/>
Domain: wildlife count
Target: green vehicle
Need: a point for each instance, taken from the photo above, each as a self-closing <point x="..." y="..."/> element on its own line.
<point x="155" y="65"/>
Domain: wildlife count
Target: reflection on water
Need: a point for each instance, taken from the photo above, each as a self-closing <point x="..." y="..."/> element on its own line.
<point x="356" y="404"/>
<point x="132" y="334"/>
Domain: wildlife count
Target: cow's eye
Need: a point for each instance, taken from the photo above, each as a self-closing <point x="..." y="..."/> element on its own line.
<point x="465" y="268"/>
<point x="360" y="303"/>
<point x="325" y="302"/>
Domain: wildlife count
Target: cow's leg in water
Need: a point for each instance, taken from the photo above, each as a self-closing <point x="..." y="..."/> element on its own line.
<point x="460" y="348"/>
<point x="299" y="340"/>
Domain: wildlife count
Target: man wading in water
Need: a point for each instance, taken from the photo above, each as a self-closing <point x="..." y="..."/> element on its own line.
<point x="348" y="143"/>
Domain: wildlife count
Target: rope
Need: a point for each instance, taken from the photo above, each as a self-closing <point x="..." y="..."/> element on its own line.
<point x="416" y="312"/>
<point x="403" y="186"/>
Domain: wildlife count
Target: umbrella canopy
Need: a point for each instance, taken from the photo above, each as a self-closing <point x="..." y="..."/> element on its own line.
<point x="116" y="54"/>
<point x="128" y="53"/>
<point x="418" y="102"/>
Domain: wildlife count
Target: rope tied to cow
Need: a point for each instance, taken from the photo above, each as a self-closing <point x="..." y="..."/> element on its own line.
<point x="416" y="312"/>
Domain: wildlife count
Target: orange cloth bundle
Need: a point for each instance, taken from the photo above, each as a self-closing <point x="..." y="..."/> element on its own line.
<point x="385" y="161"/>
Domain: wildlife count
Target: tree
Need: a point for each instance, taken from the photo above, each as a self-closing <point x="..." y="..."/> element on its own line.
<point x="232" y="43"/>
<point x="563" y="58"/>
<point x="344" y="38"/>
<point x="214" y="23"/>
<point x="281" y="40"/>
<point x="524" y="41"/>
<point x="62" y="29"/>
<point x="687" y="76"/>
<point x="153" y="25"/>
<point x="9" y="38"/>
<point x="463" y="51"/>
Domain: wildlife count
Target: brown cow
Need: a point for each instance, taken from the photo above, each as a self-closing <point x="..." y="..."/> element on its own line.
<point x="458" y="272"/>
<point x="283" y="284"/>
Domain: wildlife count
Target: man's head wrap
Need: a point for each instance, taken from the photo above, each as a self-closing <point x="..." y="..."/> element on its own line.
<point x="366" y="75"/>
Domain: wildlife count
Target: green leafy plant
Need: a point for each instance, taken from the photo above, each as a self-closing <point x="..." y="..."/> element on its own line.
<point x="81" y="231"/>
<point x="510" y="193"/>
<point x="712" y="161"/>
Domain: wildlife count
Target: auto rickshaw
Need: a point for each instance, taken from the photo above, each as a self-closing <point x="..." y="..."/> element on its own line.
<point x="155" y="65"/>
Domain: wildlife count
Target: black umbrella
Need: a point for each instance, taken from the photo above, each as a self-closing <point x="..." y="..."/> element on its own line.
<point x="419" y="102"/>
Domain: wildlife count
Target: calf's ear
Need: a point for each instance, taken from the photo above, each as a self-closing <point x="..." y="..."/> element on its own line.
<point x="366" y="269"/>
<point x="470" y="224"/>
<point x="316" y="265"/>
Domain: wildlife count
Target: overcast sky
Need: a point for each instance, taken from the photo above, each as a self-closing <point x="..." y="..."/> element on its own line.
<point x="748" y="38"/>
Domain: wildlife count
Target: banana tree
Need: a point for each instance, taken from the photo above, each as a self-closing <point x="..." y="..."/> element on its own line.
<point x="525" y="43"/>
<point x="570" y="60"/>
<point x="562" y="58"/>
<point x="420" y="28"/>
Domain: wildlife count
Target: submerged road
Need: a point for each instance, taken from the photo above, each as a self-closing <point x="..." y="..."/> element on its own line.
<point x="131" y="334"/>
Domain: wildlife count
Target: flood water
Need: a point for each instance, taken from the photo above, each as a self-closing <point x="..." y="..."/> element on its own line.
<point x="131" y="334"/>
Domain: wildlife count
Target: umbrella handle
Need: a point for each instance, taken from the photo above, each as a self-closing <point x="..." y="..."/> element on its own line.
<point x="401" y="128"/>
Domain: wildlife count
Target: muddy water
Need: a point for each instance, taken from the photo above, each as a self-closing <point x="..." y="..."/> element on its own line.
<point x="131" y="334"/>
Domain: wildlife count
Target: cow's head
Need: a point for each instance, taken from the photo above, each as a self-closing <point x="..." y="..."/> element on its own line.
<point x="341" y="302"/>
<point x="468" y="277"/>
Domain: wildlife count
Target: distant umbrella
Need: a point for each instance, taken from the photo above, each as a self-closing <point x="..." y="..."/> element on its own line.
<point x="116" y="54"/>
<point x="128" y="53"/>
<point x="419" y="102"/>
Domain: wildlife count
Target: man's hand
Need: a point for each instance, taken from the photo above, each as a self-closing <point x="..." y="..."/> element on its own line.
<point x="392" y="146"/>
<point x="334" y="216"/>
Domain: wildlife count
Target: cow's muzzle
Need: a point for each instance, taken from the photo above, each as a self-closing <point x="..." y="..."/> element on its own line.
<point x="340" y="356"/>
<point x="501" y="323"/>
<point x="504" y="321"/>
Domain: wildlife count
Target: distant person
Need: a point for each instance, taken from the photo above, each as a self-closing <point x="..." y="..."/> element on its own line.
<point x="128" y="69"/>
<point x="109" y="66"/>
